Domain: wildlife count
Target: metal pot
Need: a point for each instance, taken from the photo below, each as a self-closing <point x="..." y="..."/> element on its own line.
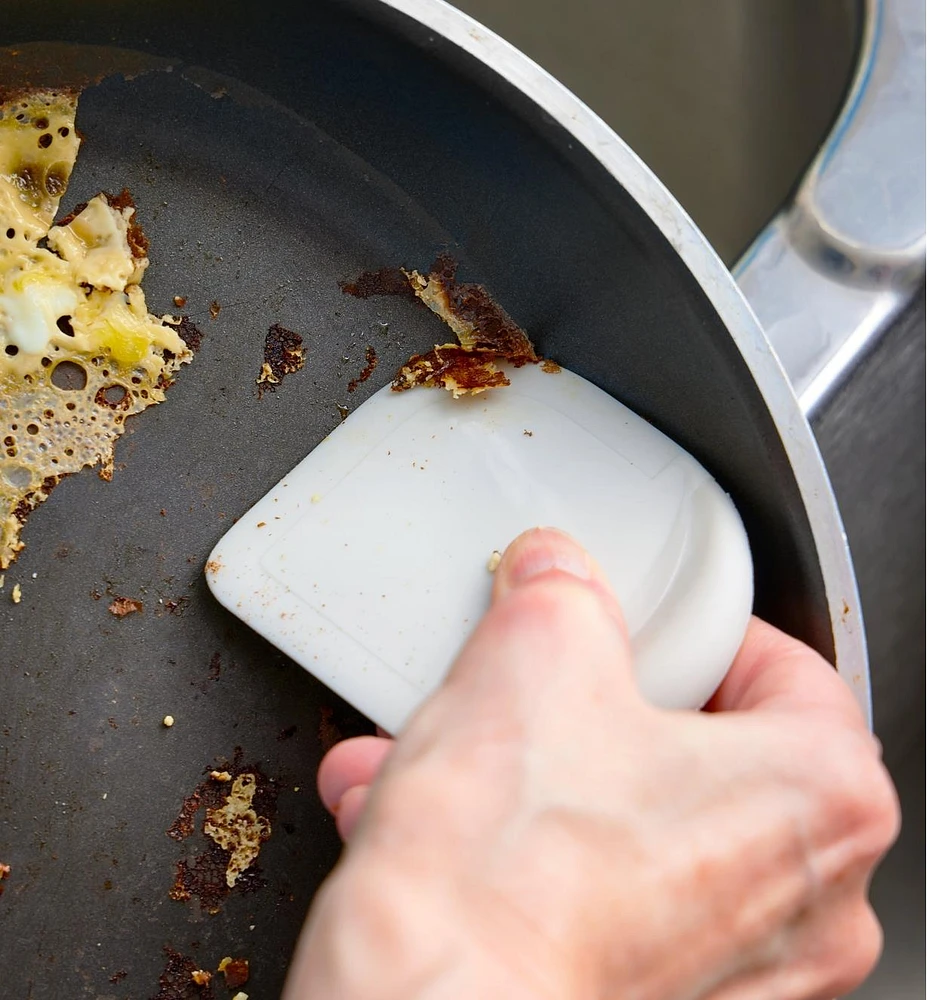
<point x="274" y="150"/>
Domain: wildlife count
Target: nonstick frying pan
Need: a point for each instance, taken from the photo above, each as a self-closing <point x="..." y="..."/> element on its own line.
<point x="274" y="150"/>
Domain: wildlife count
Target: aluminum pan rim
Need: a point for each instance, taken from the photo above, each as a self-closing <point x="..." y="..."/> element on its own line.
<point x="600" y="140"/>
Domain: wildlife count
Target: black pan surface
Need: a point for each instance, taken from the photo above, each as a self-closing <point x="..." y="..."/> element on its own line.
<point x="273" y="151"/>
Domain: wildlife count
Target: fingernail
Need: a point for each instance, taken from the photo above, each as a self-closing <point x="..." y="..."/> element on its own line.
<point x="542" y="550"/>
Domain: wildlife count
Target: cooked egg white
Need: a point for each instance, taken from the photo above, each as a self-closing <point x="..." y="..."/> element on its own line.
<point x="79" y="351"/>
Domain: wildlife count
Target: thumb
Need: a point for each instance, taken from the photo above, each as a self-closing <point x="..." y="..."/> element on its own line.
<point x="553" y="643"/>
<point x="543" y="551"/>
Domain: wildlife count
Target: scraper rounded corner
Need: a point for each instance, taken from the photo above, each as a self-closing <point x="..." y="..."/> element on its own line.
<point x="367" y="564"/>
<point x="683" y="654"/>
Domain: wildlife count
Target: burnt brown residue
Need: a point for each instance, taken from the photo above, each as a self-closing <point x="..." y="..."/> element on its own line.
<point x="117" y="977"/>
<point x="5" y="872"/>
<point x="33" y="498"/>
<point x="189" y="333"/>
<point x="236" y="972"/>
<point x="177" y="607"/>
<point x="370" y="356"/>
<point x="452" y="367"/>
<point x="283" y="355"/>
<point x="204" y="876"/>
<point x="185" y="823"/>
<point x="551" y="367"/>
<point x="485" y="331"/>
<point x="176" y="982"/>
<point x="123" y="606"/>
<point x="480" y="323"/>
<point x="214" y="309"/>
<point x="135" y="236"/>
<point x="113" y="397"/>
<point x="215" y="666"/>
<point x="386" y="281"/>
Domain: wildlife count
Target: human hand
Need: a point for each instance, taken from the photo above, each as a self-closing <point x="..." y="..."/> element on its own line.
<point x="539" y="831"/>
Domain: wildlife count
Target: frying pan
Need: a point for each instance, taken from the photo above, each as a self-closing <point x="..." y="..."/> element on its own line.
<point x="274" y="150"/>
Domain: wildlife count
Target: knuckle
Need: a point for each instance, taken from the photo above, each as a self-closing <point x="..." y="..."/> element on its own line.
<point x="860" y="953"/>
<point x="862" y="799"/>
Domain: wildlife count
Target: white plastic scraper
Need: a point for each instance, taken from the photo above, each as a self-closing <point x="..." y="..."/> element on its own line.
<point x="369" y="563"/>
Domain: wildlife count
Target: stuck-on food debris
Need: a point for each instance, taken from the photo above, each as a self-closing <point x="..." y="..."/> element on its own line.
<point x="493" y="563"/>
<point x="237" y="828"/>
<point x="205" y="874"/>
<point x="220" y="776"/>
<point x="283" y="355"/>
<point x="179" y="979"/>
<point x="371" y="362"/>
<point x="123" y="606"/>
<point x="201" y="977"/>
<point x="17" y="593"/>
<point x="240" y="996"/>
<point x="167" y="721"/>
<point x="235" y="970"/>
<point x="79" y="320"/>
<point x="486" y="333"/>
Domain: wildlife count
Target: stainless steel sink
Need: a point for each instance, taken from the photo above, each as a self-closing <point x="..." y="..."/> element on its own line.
<point x="729" y="102"/>
<point x="726" y="101"/>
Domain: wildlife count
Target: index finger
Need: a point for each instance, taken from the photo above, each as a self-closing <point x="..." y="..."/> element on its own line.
<point x="774" y="672"/>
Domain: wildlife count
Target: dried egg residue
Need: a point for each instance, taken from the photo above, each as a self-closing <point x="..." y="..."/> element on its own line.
<point x="237" y="828"/>
<point x="79" y="351"/>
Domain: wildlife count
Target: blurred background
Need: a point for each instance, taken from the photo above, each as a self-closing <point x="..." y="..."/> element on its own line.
<point x="728" y="101"/>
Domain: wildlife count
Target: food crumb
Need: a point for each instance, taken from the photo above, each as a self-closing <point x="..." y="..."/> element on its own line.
<point x="529" y="434"/>
<point x="551" y="367"/>
<point x="180" y="301"/>
<point x="235" y="970"/>
<point x="17" y="595"/>
<point x="315" y="498"/>
<point x="493" y="563"/>
<point x="240" y="996"/>
<point x="262" y="524"/>
<point x="214" y="309"/>
<point x="167" y="721"/>
<point x="4" y="874"/>
<point x="220" y="776"/>
<point x="201" y="977"/>
<point x="123" y="606"/>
